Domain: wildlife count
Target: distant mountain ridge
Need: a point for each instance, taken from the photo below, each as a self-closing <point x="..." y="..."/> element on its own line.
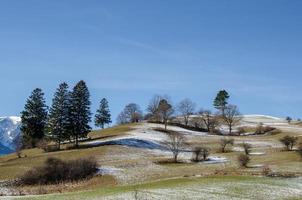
<point x="9" y="131"/>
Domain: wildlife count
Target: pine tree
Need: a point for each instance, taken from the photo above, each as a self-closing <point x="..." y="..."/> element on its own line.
<point x="34" y="119"/>
<point x="103" y="115"/>
<point x="221" y="100"/>
<point x="79" y="112"/>
<point x="59" y="115"/>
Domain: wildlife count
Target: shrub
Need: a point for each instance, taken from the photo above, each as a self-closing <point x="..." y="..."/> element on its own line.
<point x="224" y="142"/>
<point x="247" y="148"/>
<point x="243" y="160"/>
<point x="46" y="146"/>
<point x="261" y="129"/>
<point x="266" y="170"/>
<point x="200" y="151"/>
<point x="289" y="141"/>
<point x="54" y="171"/>
<point x="300" y="149"/>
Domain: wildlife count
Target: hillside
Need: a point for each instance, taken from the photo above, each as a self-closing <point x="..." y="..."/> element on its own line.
<point x="133" y="159"/>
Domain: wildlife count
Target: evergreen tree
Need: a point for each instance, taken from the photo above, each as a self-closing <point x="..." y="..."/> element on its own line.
<point x="34" y="119"/>
<point x="221" y="100"/>
<point x="59" y="115"/>
<point x="103" y="115"/>
<point x="79" y="112"/>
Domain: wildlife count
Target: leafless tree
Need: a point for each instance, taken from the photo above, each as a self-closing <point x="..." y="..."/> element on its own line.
<point x="152" y="108"/>
<point x="247" y="148"/>
<point x="289" y="141"/>
<point x="231" y="117"/>
<point x="224" y="142"/>
<point x="210" y="121"/>
<point x="243" y="160"/>
<point x="133" y="112"/>
<point x="165" y="109"/>
<point x="122" y="118"/>
<point x="186" y="108"/>
<point x="299" y="151"/>
<point x="175" y="143"/>
<point x="200" y="151"/>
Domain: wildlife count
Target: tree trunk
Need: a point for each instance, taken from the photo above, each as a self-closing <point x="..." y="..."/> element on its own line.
<point x="77" y="142"/>
<point x="230" y="129"/>
<point x="175" y="158"/>
<point x="165" y="125"/>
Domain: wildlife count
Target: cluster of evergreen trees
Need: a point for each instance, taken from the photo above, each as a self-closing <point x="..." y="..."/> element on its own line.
<point x="68" y="117"/>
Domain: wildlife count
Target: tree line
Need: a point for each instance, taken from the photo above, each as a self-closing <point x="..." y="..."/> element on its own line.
<point x="161" y="110"/>
<point x="67" y="119"/>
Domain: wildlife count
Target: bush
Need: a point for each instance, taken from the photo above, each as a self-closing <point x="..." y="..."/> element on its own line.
<point x="261" y="129"/>
<point x="247" y="148"/>
<point x="55" y="171"/>
<point x="200" y="151"/>
<point x="289" y="141"/>
<point x="224" y="142"/>
<point x="46" y="146"/>
<point x="243" y="160"/>
<point x="266" y="171"/>
<point x="300" y="149"/>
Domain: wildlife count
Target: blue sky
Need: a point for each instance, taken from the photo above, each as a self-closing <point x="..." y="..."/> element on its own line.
<point x="127" y="51"/>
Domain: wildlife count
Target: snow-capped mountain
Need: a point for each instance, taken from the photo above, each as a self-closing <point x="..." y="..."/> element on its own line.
<point x="9" y="130"/>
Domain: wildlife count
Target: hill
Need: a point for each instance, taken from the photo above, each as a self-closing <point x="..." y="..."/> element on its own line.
<point x="133" y="159"/>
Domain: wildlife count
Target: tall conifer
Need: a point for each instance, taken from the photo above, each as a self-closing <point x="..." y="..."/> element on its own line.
<point x="34" y="119"/>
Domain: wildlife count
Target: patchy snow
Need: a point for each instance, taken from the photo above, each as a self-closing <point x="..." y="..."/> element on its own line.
<point x="215" y="159"/>
<point x="257" y="153"/>
<point x="108" y="170"/>
<point x="237" y="149"/>
<point x="217" y="190"/>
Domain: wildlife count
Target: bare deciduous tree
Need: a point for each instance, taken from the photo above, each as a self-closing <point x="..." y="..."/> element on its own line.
<point x="224" y="142"/>
<point x="165" y="109"/>
<point x="231" y="116"/>
<point x="289" y="142"/>
<point x="175" y="143"/>
<point x="200" y="151"/>
<point x="131" y="113"/>
<point x="186" y="108"/>
<point x="299" y="151"/>
<point x="247" y="148"/>
<point x="243" y="160"/>
<point x="121" y="118"/>
<point x="152" y="108"/>
<point x="209" y="120"/>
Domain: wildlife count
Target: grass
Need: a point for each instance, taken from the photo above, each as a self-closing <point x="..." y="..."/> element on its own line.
<point x="12" y="167"/>
<point x="215" y="187"/>
<point x="111" y="132"/>
<point x="135" y="162"/>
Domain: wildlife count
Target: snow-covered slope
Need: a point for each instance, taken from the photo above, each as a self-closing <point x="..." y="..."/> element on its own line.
<point x="9" y="130"/>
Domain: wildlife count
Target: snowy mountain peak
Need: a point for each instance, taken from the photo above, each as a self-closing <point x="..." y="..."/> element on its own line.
<point x="9" y="130"/>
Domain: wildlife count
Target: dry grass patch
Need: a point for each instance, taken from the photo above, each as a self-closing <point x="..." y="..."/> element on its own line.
<point x="111" y="132"/>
